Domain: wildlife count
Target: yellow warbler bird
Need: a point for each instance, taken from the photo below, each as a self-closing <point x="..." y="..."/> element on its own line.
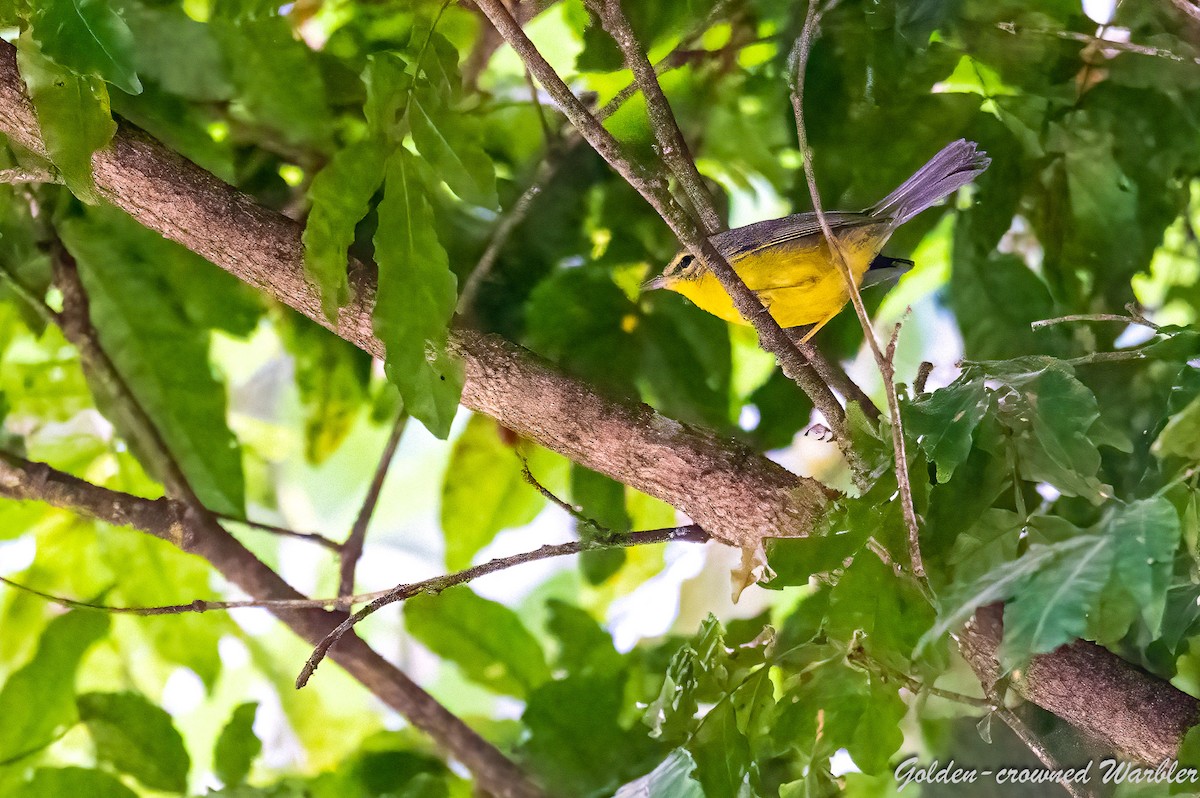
<point x="787" y="262"/>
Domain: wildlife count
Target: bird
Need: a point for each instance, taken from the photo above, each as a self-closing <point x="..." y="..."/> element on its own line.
<point x="786" y="262"/>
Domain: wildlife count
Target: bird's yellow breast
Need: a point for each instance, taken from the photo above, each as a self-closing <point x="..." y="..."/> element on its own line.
<point x="796" y="279"/>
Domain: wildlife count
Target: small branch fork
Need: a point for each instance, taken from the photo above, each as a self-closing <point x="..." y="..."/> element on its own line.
<point x="655" y="190"/>
<point x="351" y="551"/>
<point x="801" y="52"/>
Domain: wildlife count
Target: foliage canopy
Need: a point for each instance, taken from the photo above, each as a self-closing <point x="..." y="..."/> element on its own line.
<point x="1053" y="469"/>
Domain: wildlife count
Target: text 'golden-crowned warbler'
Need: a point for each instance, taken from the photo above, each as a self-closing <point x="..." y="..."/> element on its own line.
<point x="787" y="262"/>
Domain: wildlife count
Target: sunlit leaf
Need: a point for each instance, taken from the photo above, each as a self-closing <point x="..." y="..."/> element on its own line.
<point x="38" y="699"/>
<point x="237" y="746"/>
<point x="136" y="737"/>
<point x="416" y="299"/>
<point x="89" y="38"/>
<point x="73" y="113"/>
<point x="485" y="639"/>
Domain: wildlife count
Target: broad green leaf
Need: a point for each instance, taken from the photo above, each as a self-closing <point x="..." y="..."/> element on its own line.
<point x="998" y="584"/>
<point x="1050" y="413"/>
<point x="451" y="142"/>
<point x="1181" y="435"/>
<point x="579" y="319"/>
<point x="722" y="753"/>
<point x="1052" y="607"/>
<point x="416" y="299"/>
<point x="162" y="33"/>
<point x="136" y="737"/>
<point x="602" y="501"/>
<point x="584" y="646"/>
<point x="484" y="490"/>
<point x="341" y="196"/>
<point x="944" y="422"/>
<point x="1145" y="535"/>
<point x="388" y="84"/>
<point x="89" y="38"/>
<point x="332" y="377"/>
<point x="73" y="113"/>
<point x="576" y="744"/>
<point x="671" y="779"/>
<point x="485" y="639"/>
<point x="143" y="327"/>
<point x="279" y="85"/>
<point x="686" y="368"/>
<point x="79" y="782"/>
<point x="888" y="613"/>
<point x="237" y="746"/>
<point x="38" y="700"/>
<point x="836" y="706"/>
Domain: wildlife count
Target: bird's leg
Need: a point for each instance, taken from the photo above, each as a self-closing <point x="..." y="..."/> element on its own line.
<point x="813" y="330"/>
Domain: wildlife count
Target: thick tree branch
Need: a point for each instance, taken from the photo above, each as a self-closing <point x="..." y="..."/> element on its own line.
<point x="736" y="495"/>
<point x="199" y="534"/>
<point x="1141" y="717"/>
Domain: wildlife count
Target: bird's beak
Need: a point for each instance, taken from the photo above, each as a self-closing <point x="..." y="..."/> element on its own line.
<point x="655" y="283"/>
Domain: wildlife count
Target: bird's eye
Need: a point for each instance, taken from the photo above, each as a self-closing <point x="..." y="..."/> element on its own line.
<point x="686" y="262"/>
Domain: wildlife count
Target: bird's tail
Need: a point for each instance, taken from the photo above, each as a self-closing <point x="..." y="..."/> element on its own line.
<point x="957" y="164"/>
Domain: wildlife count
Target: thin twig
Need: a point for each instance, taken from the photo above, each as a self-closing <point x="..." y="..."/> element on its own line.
<point x="886" y="369"/>
<point x="656" y="192"/>
<point x="1138" y="320"/>
<point x="673" y="148"/>
<point x="1103" y="44"/>
<point x="545" y="171"/>
<point x="923" y="372"/>
<point x="691" y="534"/>
<point x="352" y="549"/>
<point x="282" y="531"/>
<point x="433" y="585"/>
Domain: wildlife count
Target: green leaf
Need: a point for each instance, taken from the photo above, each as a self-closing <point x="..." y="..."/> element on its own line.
<point x="944" y="422"/>
<point x="584" y="646"/>
<point x="1050" y="413"/>
<point x="889" y="614"/>
<point x="38" y="700"/>
<point x="484" y="638"/>
<point x="837" y="706"/>
<point x="998" y="584"/>
<point x="162" y="33"/>
<point x="387" y="83"/>
<point x="416" y="299"/>
<point x="136" y="737"/>
<point x="671" y="779"/>
<point x="59" y="782"/>
<point x="159" y="353"/>
<point x="722" y="753"/>
<point x="73" y="114"/>
<point x="279" y="85"/>
<point x="89" y="38"/>
<point x="1145" y="535"/>
<point x="576" y="746"/>
<point x="451" y="142"/>
<point x="341" y="196"/>
<point x="1052" y="607"/>
<point x="484" y="490"/>
<point x="1181" y="435"/>
<point x="237" y="746"/>
<point x="332" y="376"/>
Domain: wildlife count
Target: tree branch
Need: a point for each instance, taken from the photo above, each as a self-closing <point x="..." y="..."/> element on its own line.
<point x="654" y="190"/>
<point x="733" y="493"/>
<point x="175" y="522"/>
<point x="1141" y="717"/>
<point x="352" y="549"/>
<point x="801" y="52"/>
